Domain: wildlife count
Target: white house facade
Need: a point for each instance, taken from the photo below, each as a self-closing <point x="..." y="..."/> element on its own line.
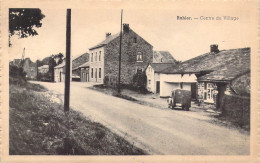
<point x="96" y="65"/>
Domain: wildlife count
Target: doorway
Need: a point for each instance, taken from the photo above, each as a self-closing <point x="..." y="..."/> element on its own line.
<point x="157" y="87"/>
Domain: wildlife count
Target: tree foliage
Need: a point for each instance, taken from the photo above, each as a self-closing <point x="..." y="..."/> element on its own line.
<point x="22" y="22"/>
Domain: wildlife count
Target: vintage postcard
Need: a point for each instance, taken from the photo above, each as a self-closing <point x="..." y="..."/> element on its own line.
<point x="132" y="81"/>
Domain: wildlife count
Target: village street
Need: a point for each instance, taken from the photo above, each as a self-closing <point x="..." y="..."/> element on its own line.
<point x="155" y="130"/>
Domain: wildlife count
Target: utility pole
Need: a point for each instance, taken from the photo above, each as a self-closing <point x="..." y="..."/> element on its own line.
<point x="37" y="69"/>
<point x="120" y="48"/>
<point x="67" y="71"/>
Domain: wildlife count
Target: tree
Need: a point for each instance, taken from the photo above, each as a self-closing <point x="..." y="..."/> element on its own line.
<point x="22" y="22"/>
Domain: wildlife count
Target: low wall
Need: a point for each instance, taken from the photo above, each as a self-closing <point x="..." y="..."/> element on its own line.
<point x="236" y="109"/>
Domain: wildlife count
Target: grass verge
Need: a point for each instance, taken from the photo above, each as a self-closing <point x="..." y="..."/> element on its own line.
<point x="39" y="126"/>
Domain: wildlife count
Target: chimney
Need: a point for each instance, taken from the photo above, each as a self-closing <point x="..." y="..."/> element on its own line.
<point x="214" y="48"/>
<point x="125" y="28"/>
<point x="108" y="34"/>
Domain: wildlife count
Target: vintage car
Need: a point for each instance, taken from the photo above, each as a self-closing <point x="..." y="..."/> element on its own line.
<point x="180" y="98"/>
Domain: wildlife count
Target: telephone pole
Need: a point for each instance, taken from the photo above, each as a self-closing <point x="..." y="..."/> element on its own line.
<point x="67" y="71"/>
<point x="120" y="48"/>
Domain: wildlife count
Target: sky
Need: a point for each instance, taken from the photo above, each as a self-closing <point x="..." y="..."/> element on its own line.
<point x="157" y="24"/>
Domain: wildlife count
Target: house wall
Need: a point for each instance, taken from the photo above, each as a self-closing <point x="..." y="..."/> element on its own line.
<point x="129" y="63"/>
<point x="150" y="79"/>
<point x="84" y="75"/>
<point x="170" y="82"/>
<point x="95" y="64"/>
<point x="59" y="75"/>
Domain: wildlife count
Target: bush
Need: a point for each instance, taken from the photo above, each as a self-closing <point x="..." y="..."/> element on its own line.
<point x="236" y="109"/>
<point x="17" y="75"/>
<point x="140" y="81"/>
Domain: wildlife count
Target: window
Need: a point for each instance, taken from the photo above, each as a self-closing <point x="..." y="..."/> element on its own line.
<point x="139" y="70"/>
<point x="92" y="73"/>
<point x="91" y="57"/>
<point x="149" y="81"/>
<point x="96" y="57"/>
<point x="161" y="60"/>
<point x="181" y="85"/>
<point x="96" y="73"/>
<point x="99" y="73"/>
<point x="135" y="40"/>
<point x="83" y="75"/>
<point x="139" y="57"/>
<point x="99" y="57"/>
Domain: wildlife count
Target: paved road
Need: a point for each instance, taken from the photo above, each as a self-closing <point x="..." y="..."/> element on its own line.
<point x="155" y="130"/>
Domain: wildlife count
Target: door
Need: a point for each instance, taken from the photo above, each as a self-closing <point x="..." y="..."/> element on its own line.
<point x="83" y="77"/>
<point x="87" y="77"/>
<point x="157" y="87"/>
<point x="193" y="91"/>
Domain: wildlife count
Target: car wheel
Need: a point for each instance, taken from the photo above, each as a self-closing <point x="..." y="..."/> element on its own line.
<point x="187" y="108"/>
<point x="173" y="105"/>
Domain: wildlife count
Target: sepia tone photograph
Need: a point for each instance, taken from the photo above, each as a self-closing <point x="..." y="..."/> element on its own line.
<point x="131" y="78"/>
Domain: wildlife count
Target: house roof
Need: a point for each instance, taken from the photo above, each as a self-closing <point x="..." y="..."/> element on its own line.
<point x="61" y="65"/>
<point x="158" y="67"/>
<point x="79" y="61"/>
<point x="44" y="67"/>
<point x="224" y="65"/>
<point x="106" y="41"/>
<point x="84" y="65"/>
<point x="163" y="57"/>
<point x="76" y="62"/>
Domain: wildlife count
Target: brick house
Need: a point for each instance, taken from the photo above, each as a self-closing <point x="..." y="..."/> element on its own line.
<point x="136" y="55"/>
<point x="210" y="76"/>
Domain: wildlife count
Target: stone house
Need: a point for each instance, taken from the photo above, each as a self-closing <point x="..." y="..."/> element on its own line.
<point x="136" y="55"/>
<point x="210" y="76"/>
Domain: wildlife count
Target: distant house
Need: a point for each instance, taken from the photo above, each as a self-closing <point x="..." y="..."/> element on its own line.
<point x="210" y="75"/>
<point x="163" y="57"/>
<point x="84" y="72"/>
<point x="75" y="65"/>
<point x="28" y="66"/>
<point x="136" y="55"/>
<point x="59" y="70"/>
<point x="43" y="69"/>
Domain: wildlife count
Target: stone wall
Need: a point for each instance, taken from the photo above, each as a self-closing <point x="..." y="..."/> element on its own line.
<point x="129" y="64"/>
